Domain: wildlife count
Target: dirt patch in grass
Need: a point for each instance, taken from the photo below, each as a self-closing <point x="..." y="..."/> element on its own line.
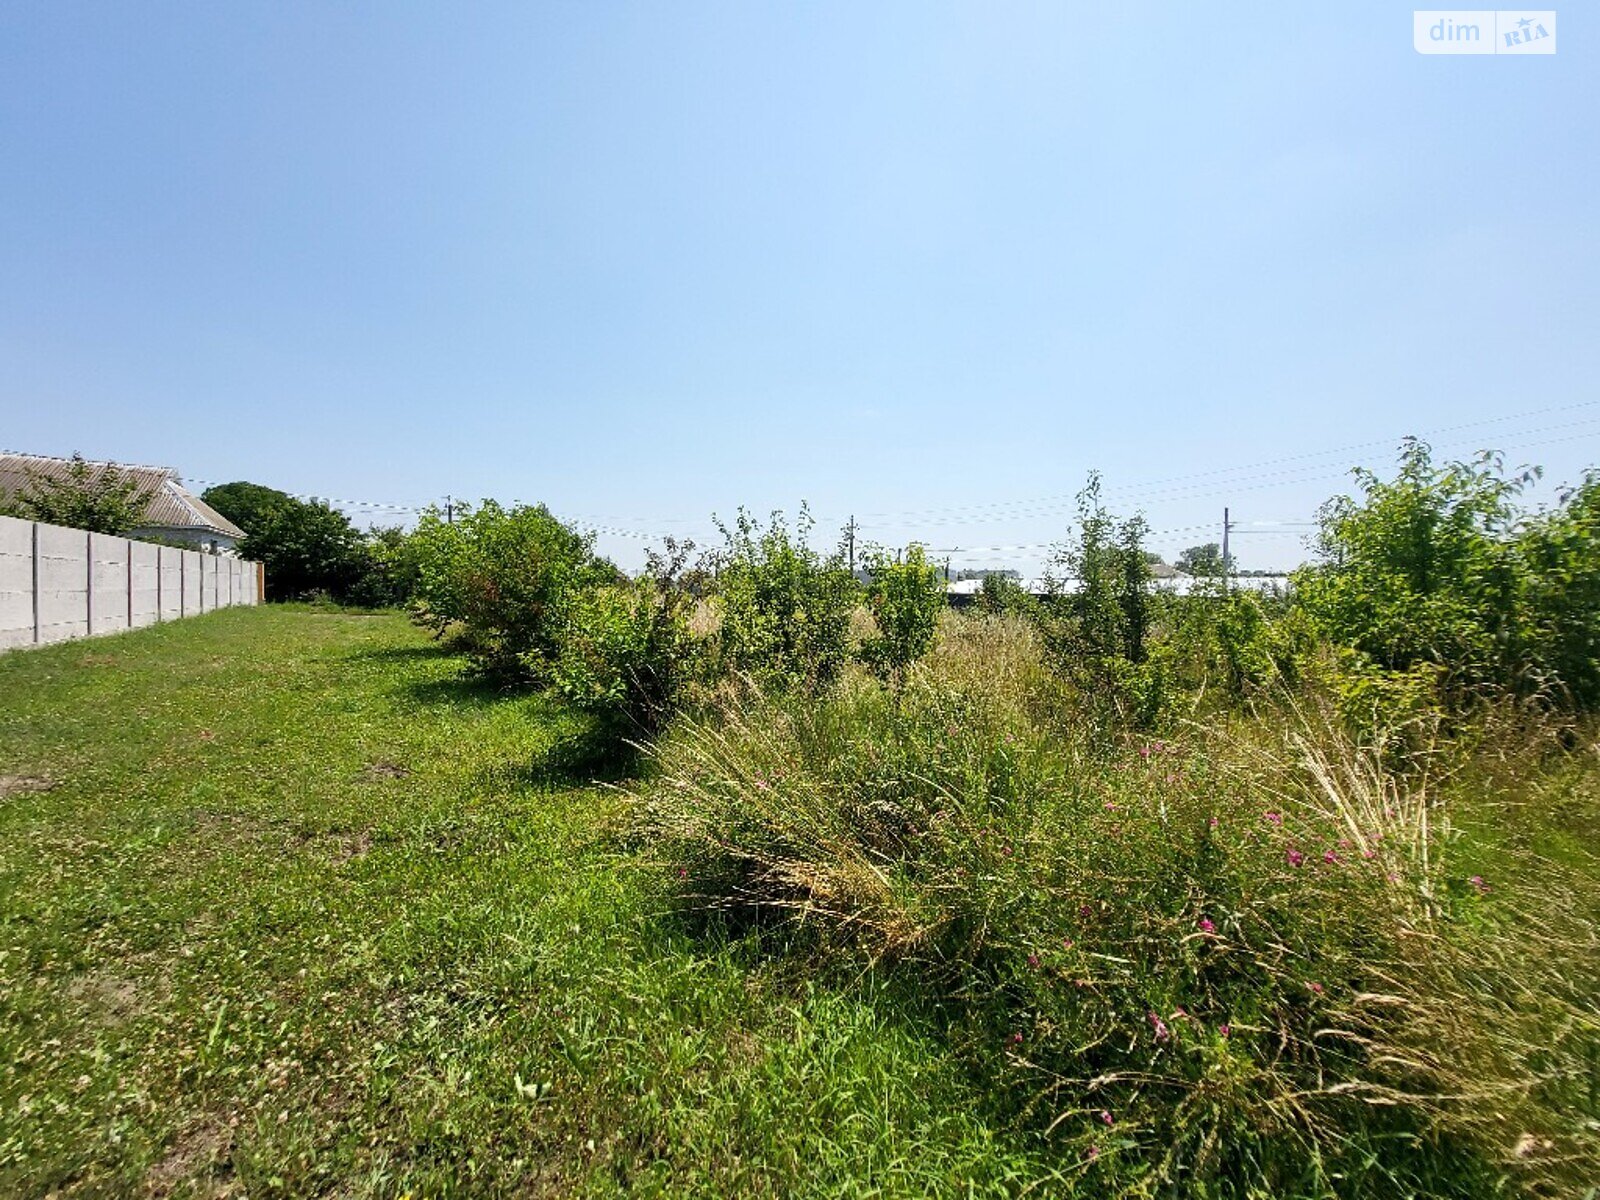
<point x="24" y="785"/>
<point x="351" y="846"/>
<point x="201" y="1156"/>
<point x="384" y="769"/>
<point x="114" y="998"/>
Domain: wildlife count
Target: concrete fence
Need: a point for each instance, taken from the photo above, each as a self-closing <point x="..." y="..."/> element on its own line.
<point x="58" y="583"/>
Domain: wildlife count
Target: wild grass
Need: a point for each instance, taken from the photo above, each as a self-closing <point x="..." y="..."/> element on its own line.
<point x="1259" y="959"/>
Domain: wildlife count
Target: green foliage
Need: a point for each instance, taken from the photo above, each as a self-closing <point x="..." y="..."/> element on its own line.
<point x="625" y="648"/>
<point x="1560" y="552"/>
<point x="502" y="576"/>
<point x="785" y="609"/>
<point x="906" y="598"/>
<point x="87" y="497"/>
<point x="388" y="571"/>
<point x="1001" y="595"/>
<point x="307" y="547"/>
<point x="248" y="505"/>
<point x="1202" y="561"/>
<point x="1424" y="569"/>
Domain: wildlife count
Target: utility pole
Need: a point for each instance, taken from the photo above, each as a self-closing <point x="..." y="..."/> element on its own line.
<point x="850" y="541"/>
<point x="1227" y="563"/>
<point x="450" y="510"/>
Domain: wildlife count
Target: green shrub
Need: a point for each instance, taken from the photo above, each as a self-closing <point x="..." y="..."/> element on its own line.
<point x="626" y="651"/>
<point x="1001" y="595"/>
<point x="1425" y="569"/>
<point x="503" y="577"/>
<point x="1560" y="552"/>
<point x="785" y="610"/>
<point x="906" y="599"/>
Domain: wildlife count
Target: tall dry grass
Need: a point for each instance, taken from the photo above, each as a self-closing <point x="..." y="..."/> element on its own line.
<point x="1258" y="958"/>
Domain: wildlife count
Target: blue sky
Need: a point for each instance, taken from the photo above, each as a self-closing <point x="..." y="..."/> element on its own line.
<point x="925" y="263"/>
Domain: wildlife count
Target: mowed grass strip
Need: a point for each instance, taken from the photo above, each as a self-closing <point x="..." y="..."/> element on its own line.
<point x="287" y="907"/>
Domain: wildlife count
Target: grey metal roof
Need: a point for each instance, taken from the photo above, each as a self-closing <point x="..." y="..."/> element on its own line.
<point x="172" y="506"/>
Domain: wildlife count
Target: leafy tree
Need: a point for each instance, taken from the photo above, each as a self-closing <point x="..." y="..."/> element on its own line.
<point x="785" y="609"/>
<point x="307" y="547"/>
<point x="1204" y="561"/>
<point x="247" y="505"/>
<point x="906" y="599"/>
<point x="1110" y="601"/>
<point x="1425" y="569"/>
<point x="97" y="499"/>
<point x="1561" y="553"/>
<point x="503" y="575"/>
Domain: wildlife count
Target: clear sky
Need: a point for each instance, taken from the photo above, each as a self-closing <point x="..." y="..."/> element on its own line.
<point x="924" y="263"/>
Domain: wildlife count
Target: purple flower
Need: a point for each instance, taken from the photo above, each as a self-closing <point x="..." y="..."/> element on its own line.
<point x="1224" y="1030"/>
<point x="683" y="872"/>
<point x="1295" y="857"/>
<point x="1159" y="1027"/>
<point x="1033" y="961"/>
<point x="1016" y="1038"/>
<point x="1273" y="818"/>
<point x="1213" y="822"/>
<point x="1105" y="1117"/>
<point x="1479" y="885"/>
<point x="1207" y="925"/>
<point x="1328" y="856"/>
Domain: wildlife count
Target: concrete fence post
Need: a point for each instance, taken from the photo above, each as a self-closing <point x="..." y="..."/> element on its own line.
<point x="36" y="583"/>
<point x="88" y="585"/>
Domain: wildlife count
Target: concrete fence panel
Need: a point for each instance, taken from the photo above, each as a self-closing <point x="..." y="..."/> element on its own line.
<point x="108" y="583"/>
<point x="189" y="566"/>
<point x="144" y="574"/>
<point x="63" y="588"/>
<point x="16" y="583"/>
<point x="171" y="576"/>
<point x="57" y="583"/>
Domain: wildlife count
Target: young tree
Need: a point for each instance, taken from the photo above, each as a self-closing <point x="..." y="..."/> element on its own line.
<point x="102" y="501"/>
<point x="906" y="599"/>
<point x="1204" y="561"/>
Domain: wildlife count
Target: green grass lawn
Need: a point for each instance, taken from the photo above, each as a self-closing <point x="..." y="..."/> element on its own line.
<point x="288" y="908"/>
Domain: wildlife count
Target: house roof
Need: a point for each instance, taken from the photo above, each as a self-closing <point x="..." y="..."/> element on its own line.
<point x="172" y="506"/>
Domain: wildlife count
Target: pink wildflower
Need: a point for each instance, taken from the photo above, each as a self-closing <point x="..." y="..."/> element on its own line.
<point x="1105" y="1117"/>
<point x="1315" y="987"/>
<point x="1005" y="851"/>
<point x="683" y="872"/>
<point x="1066" y="943"/>
<point x="1295" y="857"/>
<point x="1479" y="885"/>
<point x="1094" y="1152"/>
<point x="1144" y="751"/>
<point x="1328" y="856"/>
<point x="1273" y="818"/>
<point x="1016" y="1038"/>
<point x="1213" y="822"/>
<point x="1224" y="1030"/>
<point x="1033" y="961"/>
<point x="1110" y="806"/>
<point x="1159" y="1027"/>
<point x="1085" y="911"/>
<point x="1207" y="925"/>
